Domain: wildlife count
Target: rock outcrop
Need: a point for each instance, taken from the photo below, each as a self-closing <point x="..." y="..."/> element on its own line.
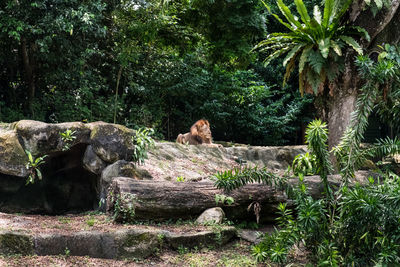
<point x="76" y="173"/>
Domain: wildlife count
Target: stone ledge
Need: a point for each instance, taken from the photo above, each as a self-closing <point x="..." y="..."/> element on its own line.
<point x="120" y="244"/>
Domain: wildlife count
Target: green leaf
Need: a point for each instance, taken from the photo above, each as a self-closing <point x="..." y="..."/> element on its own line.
<point x="39" y="174"/>
<point x="278" y="18"/>
<point x="379" y="4"/>
<point x="324" y="46"/>
<point x="361" y="31"/>
<point x="292" y="53"/>
<point x="336" y="48"/>
<point x="288" y="15"/>
<point x="301" y="8"/>
<point x="328" y="10"/>
<point x="351" y="42"/>
<point x="304" y="57"/>
<point x="317" y="14"/>
<point x="29" y="156"/>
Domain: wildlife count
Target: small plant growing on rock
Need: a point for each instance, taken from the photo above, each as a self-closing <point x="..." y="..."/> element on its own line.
<point x="143" y="142"/>
<point x="33" y="167"/>
<point x="123" y="207"/>
<point x="180" y="179"/>
<point x="224" y="200"/>
<point x="67" y="137"/>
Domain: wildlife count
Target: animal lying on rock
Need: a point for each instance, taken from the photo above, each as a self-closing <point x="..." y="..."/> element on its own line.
<point x="200" y="134"/>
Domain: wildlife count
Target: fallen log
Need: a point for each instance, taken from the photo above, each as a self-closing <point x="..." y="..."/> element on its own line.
<point x="163" y="200"/>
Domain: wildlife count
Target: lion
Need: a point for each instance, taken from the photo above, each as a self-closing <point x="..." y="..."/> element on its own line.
<point x="200" y="134"/>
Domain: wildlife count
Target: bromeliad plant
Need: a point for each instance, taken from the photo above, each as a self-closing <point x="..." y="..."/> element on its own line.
<point x="316" y="43"/>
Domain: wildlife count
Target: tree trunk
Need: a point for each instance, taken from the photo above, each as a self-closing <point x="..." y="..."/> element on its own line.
<point x="29" y="74"/>
<point x="162" y="200"/>
<point x="340" y="103"/>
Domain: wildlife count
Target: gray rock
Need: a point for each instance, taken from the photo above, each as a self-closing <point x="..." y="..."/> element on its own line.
<point x="138" y="243"/>
<point x="12" y="156"/>
<point x="213" y="215"/>
<point x="111" y="142"/>
<point x="201" y="239"/>
<point x="92" y="162"/>
<point x="251" y="236"/>
<point x="120" y="168"/>
<point x="43" y="138"/>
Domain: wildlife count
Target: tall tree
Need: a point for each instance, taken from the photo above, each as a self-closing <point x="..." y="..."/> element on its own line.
<point x="317" y="44"/>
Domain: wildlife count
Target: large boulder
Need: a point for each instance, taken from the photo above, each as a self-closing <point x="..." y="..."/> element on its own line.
<point x="12" y="155"/>
<point x="41" y="138"/>
<point x="210" y="216"/>
<point x="111" y="142"/>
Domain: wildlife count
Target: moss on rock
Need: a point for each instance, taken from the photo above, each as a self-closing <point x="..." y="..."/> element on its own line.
<point x="15" y="243"/>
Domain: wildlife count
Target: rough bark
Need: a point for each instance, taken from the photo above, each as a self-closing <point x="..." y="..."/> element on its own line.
<point x="384" y="28"/>
<point x="162" y="200"/>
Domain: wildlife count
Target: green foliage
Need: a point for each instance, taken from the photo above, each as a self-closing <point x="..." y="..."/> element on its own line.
<point x="305" y="164"/>
<point x="33" y="167"/>
<point x="68" y="136"/>
<point x="123" y="207"/>
<point x="315" y="43"/>
<point x="180" y="179"/>
<point x="224" y="200"/>
<point x="143" y="142"/>
<point x="233" y="179"/>
<point x="379" y="76"/>
<point x="317" y="139"/>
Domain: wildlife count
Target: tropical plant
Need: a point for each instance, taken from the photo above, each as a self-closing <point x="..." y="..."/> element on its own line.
<point x="304" y="164"/>
<point x="380" y="91"/>
<point x="315" y="43"/>
<point x="224" y="200"/>
<point x="33" y="167"/>
<point x="68" y="136"/>
<point x="142" y="142"/>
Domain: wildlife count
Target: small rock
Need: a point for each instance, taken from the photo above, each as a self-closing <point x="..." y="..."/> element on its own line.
<point x="213" y="215"/>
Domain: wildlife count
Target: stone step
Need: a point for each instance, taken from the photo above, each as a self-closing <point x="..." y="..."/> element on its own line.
<point x="120" y="244"/>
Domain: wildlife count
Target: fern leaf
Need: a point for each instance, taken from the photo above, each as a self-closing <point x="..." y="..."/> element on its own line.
<point x="301" y="8"/>
<point x="290" y="27"/>
<point x="336" y="48"/>
<point x="317" y="14"/>
<point x="360" y="31"/>
<point x="328" y="10"/>
<point x="289" y="69"/>
<point x="379" y="4"/>
<point x="275" y="54"/>
<point x="316" y="61"/>
<point x="288" y="15"/>
<point x="304" y="57"/>
<point x="292" y="53"/>
<point x="324" y="46"/>
<point x="351" y="42"/>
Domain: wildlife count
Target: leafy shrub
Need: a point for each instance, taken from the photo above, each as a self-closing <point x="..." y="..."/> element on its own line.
<point x="305" y="164"/>
<point x="143" y="142"/>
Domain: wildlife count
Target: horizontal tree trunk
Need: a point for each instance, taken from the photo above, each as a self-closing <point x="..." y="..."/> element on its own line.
<point x="162" y="200"/>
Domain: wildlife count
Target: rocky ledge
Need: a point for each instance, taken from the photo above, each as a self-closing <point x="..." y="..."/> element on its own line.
<point x="76" y="173"/>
